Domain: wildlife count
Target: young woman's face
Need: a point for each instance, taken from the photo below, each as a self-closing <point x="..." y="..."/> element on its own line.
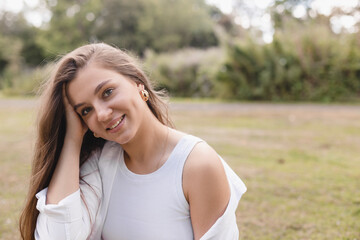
<point x="108" y="102"/>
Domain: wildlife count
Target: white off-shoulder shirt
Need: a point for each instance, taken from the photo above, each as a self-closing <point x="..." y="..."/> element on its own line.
<point x="72" y="218"/>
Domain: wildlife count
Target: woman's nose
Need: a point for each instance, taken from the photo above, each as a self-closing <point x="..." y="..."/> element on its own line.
<point x="103" y="113"/>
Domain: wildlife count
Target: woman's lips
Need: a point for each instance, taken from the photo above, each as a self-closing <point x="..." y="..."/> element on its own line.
<point x="116" y="125"/>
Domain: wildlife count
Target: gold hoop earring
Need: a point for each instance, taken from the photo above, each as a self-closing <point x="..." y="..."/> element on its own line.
<point x="144" y="95"/>
<point x="95" y="135"/>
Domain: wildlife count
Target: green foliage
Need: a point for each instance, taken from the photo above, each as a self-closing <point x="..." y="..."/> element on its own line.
<point x="187" y="72"/>
<point x="170" y="25"/>
<point x="306" y="60"/>
<point x="19" y="54"/>
<point x="136" y="25"/>
<point x="15" y="29"/>
<point x="10" y="45"/>
<point x="10" y="60"/>
<point x="70" y="26"/>
<point x="311" y="63"/>
<point x="4" y="54"/>
<point x="26" y="82"/>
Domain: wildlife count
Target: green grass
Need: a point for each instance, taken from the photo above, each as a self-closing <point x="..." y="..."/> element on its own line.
<point x="16" y="139"/>
<point x="301" y="166"/>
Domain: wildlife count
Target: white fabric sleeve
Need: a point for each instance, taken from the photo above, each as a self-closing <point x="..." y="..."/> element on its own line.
<point x="71" y="218"/>
<point x="225" y="227"/>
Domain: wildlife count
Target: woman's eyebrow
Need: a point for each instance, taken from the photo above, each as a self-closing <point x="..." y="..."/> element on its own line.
<point x="78" y="105"/>
<point x="97" y="89"/>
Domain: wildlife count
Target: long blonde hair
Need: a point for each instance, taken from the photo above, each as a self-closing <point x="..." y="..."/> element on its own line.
<point x="52" y="123"/>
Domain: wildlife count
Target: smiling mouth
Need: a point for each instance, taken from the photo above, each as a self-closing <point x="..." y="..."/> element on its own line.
<point x="117" y="123"/>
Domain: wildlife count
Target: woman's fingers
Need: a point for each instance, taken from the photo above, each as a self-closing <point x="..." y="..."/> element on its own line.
<point x="65" y="98"/>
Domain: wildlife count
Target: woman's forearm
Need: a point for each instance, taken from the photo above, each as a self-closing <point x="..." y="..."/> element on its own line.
<point x="65" y="179"/>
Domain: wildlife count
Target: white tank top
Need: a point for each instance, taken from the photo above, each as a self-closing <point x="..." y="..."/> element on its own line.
<point x="151" y="206"/>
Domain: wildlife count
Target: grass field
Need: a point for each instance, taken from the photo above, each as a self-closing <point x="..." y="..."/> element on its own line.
<point x="300" y="162"/>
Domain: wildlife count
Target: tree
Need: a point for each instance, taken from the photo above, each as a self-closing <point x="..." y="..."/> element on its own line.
<point x="161" y="25"/>
<point x="71" y="25"/>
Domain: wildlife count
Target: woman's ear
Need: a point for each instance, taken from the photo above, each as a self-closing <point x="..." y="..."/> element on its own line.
<point x="140" y="86"/>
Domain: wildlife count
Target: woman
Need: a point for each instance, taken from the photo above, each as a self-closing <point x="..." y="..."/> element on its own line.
<point x="139" y="177"/>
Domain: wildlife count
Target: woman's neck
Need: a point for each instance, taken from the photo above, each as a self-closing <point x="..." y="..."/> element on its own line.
<point x="146" y="152"/>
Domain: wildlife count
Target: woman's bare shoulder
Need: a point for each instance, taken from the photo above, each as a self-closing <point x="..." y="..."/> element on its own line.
<point x="204" y="164"/>
<point x="206" y="187"/>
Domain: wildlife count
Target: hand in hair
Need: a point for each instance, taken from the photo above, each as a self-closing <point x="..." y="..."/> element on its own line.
<point x="75" y="126"/>
<point x="65" y="179"/>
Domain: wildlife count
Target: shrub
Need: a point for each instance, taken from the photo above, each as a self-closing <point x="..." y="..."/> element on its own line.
<point x="311" y="63"/>
<point x="26" y="82"/>
<point x="186" y="73"/>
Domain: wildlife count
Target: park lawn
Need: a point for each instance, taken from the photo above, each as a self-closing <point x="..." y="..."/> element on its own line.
<point x="301" y="165"/>
<point x="16" y="141"/>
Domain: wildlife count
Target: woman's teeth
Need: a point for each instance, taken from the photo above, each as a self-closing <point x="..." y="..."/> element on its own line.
<point x="117" y="123"/>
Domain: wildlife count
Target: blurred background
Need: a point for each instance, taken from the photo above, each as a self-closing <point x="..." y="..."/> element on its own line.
<point x="272" y="85"/>
<point x="277" y="50"/>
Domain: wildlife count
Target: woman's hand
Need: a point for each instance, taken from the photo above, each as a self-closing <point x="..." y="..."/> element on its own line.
<point x="75" y="126"/>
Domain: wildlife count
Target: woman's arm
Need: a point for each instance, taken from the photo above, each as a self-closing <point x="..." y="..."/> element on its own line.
<point x="66" y="175"/>
<point x="205" y="187"/>
<point x="65" y="179"/>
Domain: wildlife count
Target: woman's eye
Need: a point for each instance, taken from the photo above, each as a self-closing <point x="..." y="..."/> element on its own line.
<point x="107" y="92"/>
<point x="85" y="111"/>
